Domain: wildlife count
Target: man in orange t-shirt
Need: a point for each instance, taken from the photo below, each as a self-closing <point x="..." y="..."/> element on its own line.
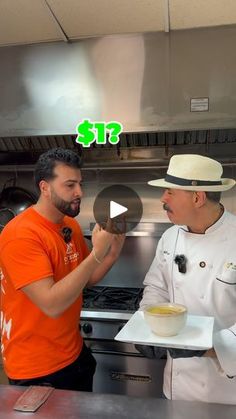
<point x="45" y="264"/>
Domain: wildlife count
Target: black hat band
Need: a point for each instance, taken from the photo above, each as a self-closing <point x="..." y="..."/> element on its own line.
<point x="190" y="182"/>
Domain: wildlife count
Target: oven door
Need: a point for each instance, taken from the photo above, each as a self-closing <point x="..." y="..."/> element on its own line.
<point x="122" y="370"/>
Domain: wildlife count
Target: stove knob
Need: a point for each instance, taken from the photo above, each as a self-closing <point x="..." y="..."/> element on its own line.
<point x="87" y="328"/>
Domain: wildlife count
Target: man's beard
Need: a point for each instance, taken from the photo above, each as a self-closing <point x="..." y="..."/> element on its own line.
<point x="64" y="206"/>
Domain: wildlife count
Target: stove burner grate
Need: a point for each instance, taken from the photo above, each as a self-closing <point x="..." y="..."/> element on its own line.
<point x="113" y="298"/>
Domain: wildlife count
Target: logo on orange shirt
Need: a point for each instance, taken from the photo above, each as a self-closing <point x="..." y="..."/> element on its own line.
<point x="71" y="255"/>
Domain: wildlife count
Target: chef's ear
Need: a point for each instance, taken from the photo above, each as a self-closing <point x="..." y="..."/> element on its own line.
<point x="199" y="198"/>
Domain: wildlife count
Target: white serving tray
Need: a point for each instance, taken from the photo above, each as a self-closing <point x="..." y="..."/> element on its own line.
<point x="197" y="334"/>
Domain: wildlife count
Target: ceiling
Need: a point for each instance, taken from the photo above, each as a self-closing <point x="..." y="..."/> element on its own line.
<point x="34" y="21"/>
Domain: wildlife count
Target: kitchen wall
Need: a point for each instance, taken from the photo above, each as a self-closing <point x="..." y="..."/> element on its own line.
<point x="138" y="252"/>
<point x="94" y="180"/>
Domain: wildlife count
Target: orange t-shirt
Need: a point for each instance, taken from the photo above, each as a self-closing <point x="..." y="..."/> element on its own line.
<point x="32" y="248"/>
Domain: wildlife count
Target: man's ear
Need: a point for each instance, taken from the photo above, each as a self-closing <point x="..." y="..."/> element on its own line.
<point x="44" y="187"/>
<point x="199" y="198"/>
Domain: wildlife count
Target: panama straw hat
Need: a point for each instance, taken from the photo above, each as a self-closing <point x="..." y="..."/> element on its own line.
<point x="192" y="172"/>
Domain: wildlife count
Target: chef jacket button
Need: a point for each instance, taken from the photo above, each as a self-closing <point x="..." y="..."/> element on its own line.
<point x="202" y="264"/>
<point x="177" y="373"/>
<point x="203" y="384"/>
<point x="202" y="296"/>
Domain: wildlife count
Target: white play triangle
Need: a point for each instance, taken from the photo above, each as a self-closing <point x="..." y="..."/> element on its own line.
<point x="116" y="209"/>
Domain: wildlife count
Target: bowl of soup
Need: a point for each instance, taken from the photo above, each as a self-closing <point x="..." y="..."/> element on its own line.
<point x="166" y="319"/>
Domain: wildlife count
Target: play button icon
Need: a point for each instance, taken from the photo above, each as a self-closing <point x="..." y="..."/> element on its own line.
<point x="118" y="209"/>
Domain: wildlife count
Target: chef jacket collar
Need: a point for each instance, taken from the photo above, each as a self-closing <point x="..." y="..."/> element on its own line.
<point x="213" y="227"/>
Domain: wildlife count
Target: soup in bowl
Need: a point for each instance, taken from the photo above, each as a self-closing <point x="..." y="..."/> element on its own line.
<point x="166" y="319"/>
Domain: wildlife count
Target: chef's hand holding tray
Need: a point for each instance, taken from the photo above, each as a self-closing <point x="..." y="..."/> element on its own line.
<point x="168" y="325"/>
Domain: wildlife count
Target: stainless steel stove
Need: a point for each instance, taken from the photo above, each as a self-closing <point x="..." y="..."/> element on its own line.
<point x="121" y="369"/>
<point x="115" y="298"/>
<point x="106" y="310"/>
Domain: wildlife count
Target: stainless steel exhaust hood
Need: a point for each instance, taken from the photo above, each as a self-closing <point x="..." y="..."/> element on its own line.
<point x="135" y="149"/>
<point x="148" y="82"/>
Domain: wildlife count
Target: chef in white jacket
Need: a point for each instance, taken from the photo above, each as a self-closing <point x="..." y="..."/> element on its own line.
<point x="195" y="265"/>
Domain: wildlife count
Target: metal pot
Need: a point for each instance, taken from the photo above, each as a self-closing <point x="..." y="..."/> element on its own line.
<point x="14" y="200"/>
<point x="6" y="214"/>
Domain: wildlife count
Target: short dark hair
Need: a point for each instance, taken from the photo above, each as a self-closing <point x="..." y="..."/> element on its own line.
<point x="44" y="168"/>
<point x="213" y="196"/>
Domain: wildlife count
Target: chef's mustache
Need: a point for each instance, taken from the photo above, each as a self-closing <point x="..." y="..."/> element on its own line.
<point x="166" y="207"/>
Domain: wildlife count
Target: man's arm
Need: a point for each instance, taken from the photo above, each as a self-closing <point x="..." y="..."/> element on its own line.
<point x="109" y="259"/>
<point x="53" y="298"/>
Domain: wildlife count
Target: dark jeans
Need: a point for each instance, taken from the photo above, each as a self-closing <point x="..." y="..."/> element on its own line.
<point x="76" y="376"/>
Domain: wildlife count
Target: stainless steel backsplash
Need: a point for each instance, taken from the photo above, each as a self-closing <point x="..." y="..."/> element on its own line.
<point x="139" y="251"/>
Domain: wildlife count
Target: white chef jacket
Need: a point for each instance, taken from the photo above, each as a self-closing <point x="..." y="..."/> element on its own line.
<point x="208" y="289"/>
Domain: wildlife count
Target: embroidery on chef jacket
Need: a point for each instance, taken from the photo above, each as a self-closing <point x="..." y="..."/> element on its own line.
<point x="71" y="256"/>
<point x="230" y="265"/>
<point x="228" y="274"/>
